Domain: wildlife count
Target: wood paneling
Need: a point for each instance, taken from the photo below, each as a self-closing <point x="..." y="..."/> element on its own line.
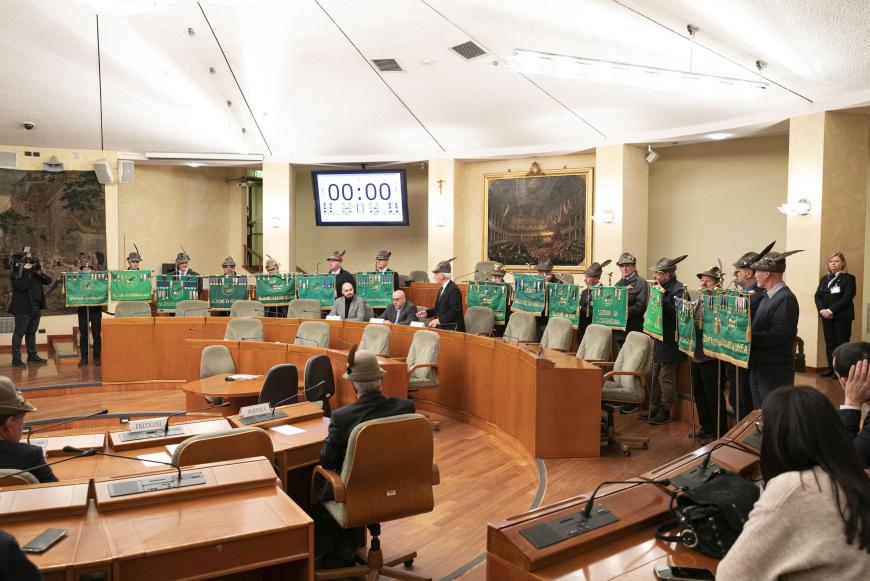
<point x="283" y="330"/>
<point x="215" y="327"/>
<point x="128" y="349"/>
<point x="259" y="357"/>
<point x="423" y="294"/>
<point x="170" y="334"/>
<point x="478" y="363"/>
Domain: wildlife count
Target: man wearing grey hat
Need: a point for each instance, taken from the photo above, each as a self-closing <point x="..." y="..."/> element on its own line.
<point x="272" y="267"/>
<point x="666" y="354"/>
<point x="229" y="266"/>
<point x="708" y="394"/>
<point x="382" y="264"/>
<point x="334" y="546"/>
<point x="545" y="269"/>
<point x="448" y="304"/>
<point x="182" y="267"/>
<point x="774" y="329"/>
<point x="341" y="275"/>
<point x="133" y="260"/>
<point x="13" y="452"/>
<point x="592" y="277"/>
<point x="638" y="296"/>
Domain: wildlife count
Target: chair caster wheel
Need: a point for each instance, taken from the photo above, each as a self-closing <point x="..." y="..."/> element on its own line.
<point x="436" y="426"/>
<point x="645" y="446"/>
<point x="409" y="563"/>
<point x="626" y="453"/>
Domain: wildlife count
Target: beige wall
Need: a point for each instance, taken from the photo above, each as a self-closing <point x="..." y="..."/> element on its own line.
<point x="407" y="243"/>
<point x="167" y="207"/>
<point x="716" y="200"/>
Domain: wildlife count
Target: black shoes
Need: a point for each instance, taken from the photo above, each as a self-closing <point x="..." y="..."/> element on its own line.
<point x="97" y="361"/>
<point x="18" y="363"/>
<point x="628" y="408"/>
<point x="83" y="362"/>
<point x="36" y="359"/>
<point x="661" y="416"/>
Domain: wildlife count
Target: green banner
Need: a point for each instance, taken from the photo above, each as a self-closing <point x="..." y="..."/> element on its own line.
<point x="529" y="293"/>
<point x="86" y="289"/>
<point x="223" y="291"/>
<point x="172" y="289"/>
<point x="130" y="285"/>
<point x="376" y="288"/>
<point x="563" y="300"/>
<point x="319" y="287"/>
<point x="610" y="306"/>
<point x="686" y="336"/>
<point x="727" y="326"/>
<point x="652" y="318"/>
<point x="275" y="289"/>
<point x="489" y="294"/>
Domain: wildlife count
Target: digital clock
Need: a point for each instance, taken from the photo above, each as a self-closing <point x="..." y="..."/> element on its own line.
<point x="362" y="198"/>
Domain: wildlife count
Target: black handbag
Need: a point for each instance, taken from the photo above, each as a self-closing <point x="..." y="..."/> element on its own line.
<point x="710" y="517"/>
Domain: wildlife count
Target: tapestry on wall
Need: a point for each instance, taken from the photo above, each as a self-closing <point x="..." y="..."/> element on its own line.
<point x="61" y="216"/>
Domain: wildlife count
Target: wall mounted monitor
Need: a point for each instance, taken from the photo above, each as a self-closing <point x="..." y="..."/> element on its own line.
<point x="360" y="198"/>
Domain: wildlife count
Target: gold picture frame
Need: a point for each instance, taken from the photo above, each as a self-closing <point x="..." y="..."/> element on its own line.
<point x="541" y="214"/>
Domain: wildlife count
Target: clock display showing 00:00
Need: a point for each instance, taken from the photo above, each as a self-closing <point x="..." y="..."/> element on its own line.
<point x="372" y="192"/>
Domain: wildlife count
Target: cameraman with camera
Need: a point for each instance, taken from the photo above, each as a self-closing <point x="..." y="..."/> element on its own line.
<point x="28" y="299"/>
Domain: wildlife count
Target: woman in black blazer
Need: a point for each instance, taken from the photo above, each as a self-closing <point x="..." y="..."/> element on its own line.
<point x="834" y="301"/>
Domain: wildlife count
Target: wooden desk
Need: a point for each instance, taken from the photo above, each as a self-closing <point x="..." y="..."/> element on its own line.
<point x="239" y="393"/>
<point x="188" y="429"/>
<point x="56" y="444"/>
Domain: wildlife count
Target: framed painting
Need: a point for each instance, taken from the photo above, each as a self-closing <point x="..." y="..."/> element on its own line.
<point x="539" y="215"/>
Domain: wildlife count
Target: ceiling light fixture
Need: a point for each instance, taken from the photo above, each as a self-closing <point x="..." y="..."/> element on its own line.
<point x="193" y="164"/>
<point x="199" y="157"/>
<point x="616" y="73"/>
<point x="651" y="156"/>
<point x="801" y="207"/>
<point x="718" y="136"/>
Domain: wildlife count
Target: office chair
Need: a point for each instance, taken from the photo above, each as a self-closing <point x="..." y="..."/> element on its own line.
<point x="596" y="344"/>
<point x="303" y="309"/>
<point x="558" y="334"/>
<point x="23" y="479"/>
<point x="281" y="383"/>
<point x="244" y="330"/>
<point x="479" y="321"/>
<point x="313" y="334"/>
<point x="388" y="473"/>
<point x="376" y="339"/>
<point x="247" y="309"/>
<point x="133" y="309"/>
<point x="215" y="360"/>
<point x="418" y="276"/>
<point x="520" y="327"/>
<point x="192" y="309"/>
<point x="317" y="369"/>
<point x="232" y="444"/>
<point x="626" y="384"/>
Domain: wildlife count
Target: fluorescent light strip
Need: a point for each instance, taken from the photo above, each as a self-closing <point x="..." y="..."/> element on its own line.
<point x="615" y="73"/>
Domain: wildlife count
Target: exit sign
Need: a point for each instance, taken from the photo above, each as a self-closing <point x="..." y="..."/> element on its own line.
<point x="258" y="173"/>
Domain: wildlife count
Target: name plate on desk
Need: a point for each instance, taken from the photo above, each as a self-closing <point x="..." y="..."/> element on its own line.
<point x="376" y="320"/>
<point x="151" y="433"/>
<point x="259" y="413"/>
<point x="333" y="318"/>
<point x="566" y="527"/>
<point x="155" y="483"/>
<point x="417" y="324"/>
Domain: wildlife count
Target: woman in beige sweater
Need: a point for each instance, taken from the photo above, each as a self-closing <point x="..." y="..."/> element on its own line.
<point x="799" y="528"/>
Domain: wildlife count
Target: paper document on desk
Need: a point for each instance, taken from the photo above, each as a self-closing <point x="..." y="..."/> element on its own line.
<point x="288" y="430"/>
<point x="171" y="448"/>
<point x="242" y="377"/>
<point x="156" y="459"/>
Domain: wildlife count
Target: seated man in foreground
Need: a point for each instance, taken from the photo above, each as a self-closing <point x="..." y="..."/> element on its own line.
<point x="852" y="367"/>
<point x="14" y="453"/>
<point x="334" y="546"/>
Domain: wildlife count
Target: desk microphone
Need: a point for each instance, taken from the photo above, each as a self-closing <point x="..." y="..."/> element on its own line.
<point x="307" y="340"/>
<point x="73" y="450"/>
<point x="32" y="431"/>
<point x="170" y="416"/>
<point x="78" y="454"/>
<point x="458" y="278"/>
<point x="709" y="455"/>
<point x="588" y="510"/>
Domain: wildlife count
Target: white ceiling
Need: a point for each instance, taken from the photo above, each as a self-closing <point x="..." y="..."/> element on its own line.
<point x="297" y="74"/>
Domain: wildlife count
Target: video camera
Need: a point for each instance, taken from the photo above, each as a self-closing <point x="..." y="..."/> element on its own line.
<point x="15" y="262"/>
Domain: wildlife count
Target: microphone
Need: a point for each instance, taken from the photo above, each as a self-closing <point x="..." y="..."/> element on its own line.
<point x="464" y="275"/>
<point x="170" y="416"/>
<point x="709" y="455"/>
<point x="293" y="397"/>
<point x="78" y="454"/>
<point x="701" y="473"/>
<point x="307" y="340"/>
<point x="31" y="431"/>
<point x="73" y="450"/>
<point x="588" y="510"/>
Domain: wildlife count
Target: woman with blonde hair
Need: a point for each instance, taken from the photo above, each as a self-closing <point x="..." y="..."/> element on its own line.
<point x="834" y="301"/>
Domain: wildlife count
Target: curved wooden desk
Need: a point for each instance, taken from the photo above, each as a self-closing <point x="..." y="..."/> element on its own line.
<point x="239" y="393"/>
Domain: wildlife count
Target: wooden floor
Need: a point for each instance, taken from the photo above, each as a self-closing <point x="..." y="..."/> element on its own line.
<point x="483" y="477"/>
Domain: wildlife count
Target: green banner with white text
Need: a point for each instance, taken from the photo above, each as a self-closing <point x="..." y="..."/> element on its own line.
<point x="489" y="294"/>
<point x="172" y="289"/>
<point x="686" y="335"/>
<point x="130" y="285"/>
<point x="275" y="289"/>
<point x="223" y="291"/>
<point x="376" y="288"/>
<point x="727" y="326"/>
<point x="529" y="293"/>
<point x="563" y="300"/>
<point x="86" y="289"/>
<point x="610" y="306"/>
<point x="652" y="318"/>
<point x="319" y="287"/>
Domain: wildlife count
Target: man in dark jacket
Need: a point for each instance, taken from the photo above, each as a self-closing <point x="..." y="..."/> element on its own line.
<point x="341" y="275"/>
<point x="638" y="296"/>
<point x="774" y="329"/>
<point x="666" y="355"/>
<point x="13" y="452"/>
<point x="28" y="300"/>
<point x="400" y="312"/>
<point x="448" y="304"/>
<point x="182" y="267"/>
<point x="592" y="277"/>
<point x="89" y="316"/>
<point x="852" y="366"/>
<point x="14" y="564"/>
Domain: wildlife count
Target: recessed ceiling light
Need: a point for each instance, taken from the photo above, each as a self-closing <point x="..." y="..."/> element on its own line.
<point x="719" y="136"/>
<point x="193" y="164"/>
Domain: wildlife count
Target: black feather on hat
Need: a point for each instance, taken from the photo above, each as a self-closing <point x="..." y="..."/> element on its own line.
<point x="666" y="264"/>
<point x="444" y="266"/>
<point x="749" y="258"/>
<point x="773" y="261"/>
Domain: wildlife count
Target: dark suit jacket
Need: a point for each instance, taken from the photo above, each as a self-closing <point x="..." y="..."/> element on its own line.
<point x="585" y="318"/>
<point x="23" y="456"/>
<point x="406" y="315"/>
<point x="368" y="407"/>
<point x="27" y="291"/>
<point x="342" y="277"/>
<point x="448" y="308"/>
<point x="755" y="299"/>
<point x="842" y="304"/>
<point x="861" y="440"/>
<point x="667" y="351"/>
<point x="638" y="297"/>
<point x="774" y="328"/>
<point x="14" y="564"/>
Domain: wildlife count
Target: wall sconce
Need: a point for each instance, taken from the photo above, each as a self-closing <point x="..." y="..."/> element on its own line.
<point x="276" y="222"/>
<point x="440" y="220"/>
<point x="605" y="217"/>
<point x="801" y="207"/>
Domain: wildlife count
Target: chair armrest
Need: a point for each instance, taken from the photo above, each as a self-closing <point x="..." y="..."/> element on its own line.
<point x="422" y="366"/>
<point x="436" y="474"/>
<point x="601" y="362"/>
<point x="402" y="359"/>
<point x="640" y="376"/>
<point x="333" y="479"/>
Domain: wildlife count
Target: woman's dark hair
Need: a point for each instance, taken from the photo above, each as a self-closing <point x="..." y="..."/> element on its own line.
<point x="802" y="431"/>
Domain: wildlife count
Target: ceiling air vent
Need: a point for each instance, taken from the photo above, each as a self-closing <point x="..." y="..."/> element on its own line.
<point x="468" y="50"/>
<point x="388" y="65"/>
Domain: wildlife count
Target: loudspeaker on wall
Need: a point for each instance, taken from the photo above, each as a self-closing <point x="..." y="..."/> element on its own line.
<point x="103" y="171"/>
<point x="125" y="169"/>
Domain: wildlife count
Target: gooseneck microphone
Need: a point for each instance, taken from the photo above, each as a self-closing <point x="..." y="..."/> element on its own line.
<point x="73" y="450"/>
<point x="170" y="416"/>
<point x="31" y="431"/>
<point x="588" y="510"/>
<point x="295" y="396"/>
<point x="78" y="454"/>
<point x="307" y="340"/>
